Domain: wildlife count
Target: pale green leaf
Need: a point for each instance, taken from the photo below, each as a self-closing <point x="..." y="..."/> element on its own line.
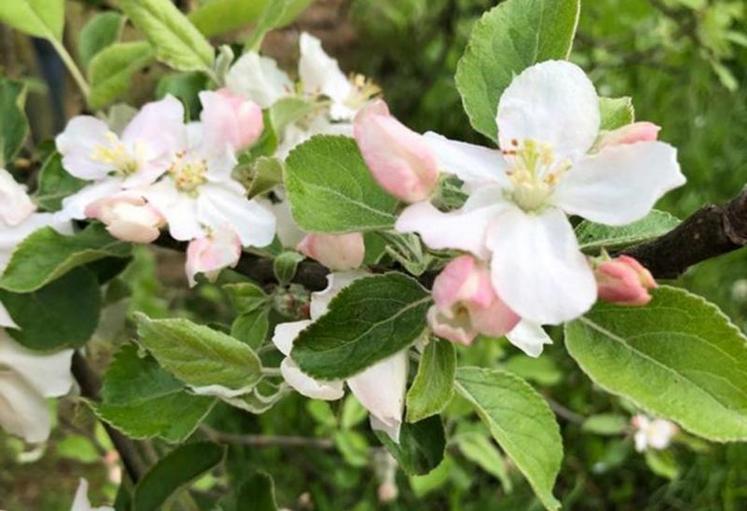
<point x="55" y="183"/>
<point x="606" y="424"/>
<point x="616" y="112"/>
<point x="433" y="386"/>
<point x="14" y="127"/>
<point x="40" y="18"/>
<point x="220" y="16"/>
<point x="101" y="31"/>
<point x="478" y="448"/>
<point x="112" y="69"/>
<point x="594" y="237"/>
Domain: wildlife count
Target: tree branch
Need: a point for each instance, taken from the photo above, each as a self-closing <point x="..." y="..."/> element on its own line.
<point x="266" y="440"/>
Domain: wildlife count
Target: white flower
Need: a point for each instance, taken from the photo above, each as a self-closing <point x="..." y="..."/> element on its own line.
<point x="209" y="255"/>
<point x="81" y="502"/>
<point x="136" y="157"/>
<point x="15" y="204"/>
<point x="652" y="433"/>
<point x="27" y="378"/>
<point x="380" y="388"/>
<point x="548" y="120"/>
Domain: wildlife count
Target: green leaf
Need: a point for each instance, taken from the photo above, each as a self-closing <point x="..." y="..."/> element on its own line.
<point x="679" y="357"/>
<point x="186" y="87"/>
<point x="373" y="318"/>
<point x="47" y="255"/>
<point x="271" y="17"/>
<point x="220" y="16"/>
<point x="433" y="386"/>
<point x="506" y="40"/>
<point x="478" y="448"/>
<point x="520" y="421"/>
<point x="265" y="174"/>
<point x="14" y="127"/>
<point x="144" y="401"/>
<point x="174" y="471"/>
<point x="55" y="183"/>
<point x="251" y="327"/>
<point x="606" y="424"/>
<point x="421" y="445"/>
<point x="662" y="463"/>
<point x="353" y="447"/>
<point x="259" y="489"/>
<point x="285" y="264"/>
<point x="176" y="40"/>
<point x="39" y="18"/>
<point x="541" y="370"/>
<point x="78" y="448"/>
<point x="246" y="296"/>
<point x="49" y="318"/>
<point x="331" y="189"/>
<point x="200" y="356"/>
<point x="101" y="31"/>
<point x="595" y="237"/>
<point x="616" y="112"/>
<point x="110" y="71"/>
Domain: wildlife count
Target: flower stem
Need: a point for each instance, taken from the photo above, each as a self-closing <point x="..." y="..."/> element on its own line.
<point x="67" y="59"/>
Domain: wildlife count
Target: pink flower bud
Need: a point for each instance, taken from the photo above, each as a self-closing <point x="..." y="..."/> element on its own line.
<point x="624" y="281"/>
<point x="466" y="304"/>
<point x="127" y="217"/>
<point x="229" y="118"/>
<point x="15" y="204"/>
<point x="630" y="134"/>
<point x="211" y="254"/>
<point x="399" y="159"/>
<point x="338" y="252"/>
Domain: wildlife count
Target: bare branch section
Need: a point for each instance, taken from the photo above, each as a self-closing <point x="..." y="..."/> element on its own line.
<point x="266" y="440"/>
<point x="710" y="232"/>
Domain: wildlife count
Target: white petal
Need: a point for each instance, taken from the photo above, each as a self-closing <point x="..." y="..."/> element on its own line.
<point x="219" y="207"/>
<point x="77" y="144"/>
<point x="473" y="164"/>
<point x="74" y="206"/>
<point x="463" y="229"/>
<point x="285" y="335"/>
<point x="11" y="237"/>
<point x="381" y="391"/>
<point x="336" y="282"/>
<point x="5" y="320"/>
<point x="48" y="373"/>
<point x="158" y="128"/>
<point x="258" y="79"/>
<point x="319" y="72"/>
<point x="552" y="102"/>
<point x="529" y="337"/>
<point x="288" y="232"/>
<point x="537" y="267"/>
<point x="308" y="386"/>
<point x="81" y="502"/>
<point x="620" y="184"/>
<point x="15" y="203"/>
<point x="179" y="209"/>
<point x="23" y="411"/>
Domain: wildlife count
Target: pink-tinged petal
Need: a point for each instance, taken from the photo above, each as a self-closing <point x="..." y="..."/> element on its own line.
<point x="495" y="320"/>
<point x="15" y="204"/>
<point x="456" y="328"/>
<point x="179" y="209"/>
<point x="554" y="103"/>
<point x="128" y="217"/>
<point x="219" y="207"/>
<point x="529" y="337"/>
<point x="157" y="130"/>
<point x="399" y="159"/>
<point x="475" y="165"/>
<point x="285" y="335"/>
<point x="74" y="206"/>
<point x="620" y="184"/>
<point x="83" y="136"/>
<point x="629" y="134"/>
<point x="381" y="391"/>
<point x="211" y="254"/>
<point x="306" y="385"/>
<point x="338" y="252"/>
<point x="320" y="73"/>
<point x="537" y="267"/>
<point x="336" y="282"/>
<point x="624" y="281"/>
<point x="464" y="279"/>
<point x="230" y="119"/>
<point x="258" y="79"/>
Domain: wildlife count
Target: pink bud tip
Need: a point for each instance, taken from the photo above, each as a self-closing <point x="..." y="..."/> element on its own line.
<point x="230" y="118"/>
<point x="338" y="252"/>
<point x="211" y="254"/>
<point x="624" y="281"/>
<point x="127" y="217"/>
<point x="630" y="134"/>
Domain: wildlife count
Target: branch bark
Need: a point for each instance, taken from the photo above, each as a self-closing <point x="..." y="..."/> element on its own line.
<point x="266" y="440"/>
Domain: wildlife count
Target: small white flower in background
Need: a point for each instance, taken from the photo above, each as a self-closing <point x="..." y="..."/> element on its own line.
<point x="209" y="255"/>
<point x="379" y="388"/>
<point x="15" y="204"/>
<point x="127" y="217"/>
<point x="136" y="157"/>
<point x="548" y="121"/>
<point x="27" y="379"/>
<point x="652" y="433"/>
<point x="81" y="502"/>
<point x="338" y="252"/>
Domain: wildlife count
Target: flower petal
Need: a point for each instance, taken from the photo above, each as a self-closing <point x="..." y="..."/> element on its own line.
<point x="620" y="184"/>
<point x="74" y="206"/>
<point x="48" y="374"/>
<point x="285" y="335"/>
<point x="308" y="386"/>
<point x="11" y="237"/>
<point x="179" y="209"/>
<point x="473" y="164"/>
<point x="552" y="102"/>
<point x="5" y="320"/>
<point x="78" y="143"/>
<point x="336" y="282"/>
<point x="320" y="73"/>
<point x="258" y="79"/>
<point x="15" y="203"/>
<point x="23" y="411"/>
<point x="537" y="267"/>
<point x="220" y="208"/>
<point x="529" y="337"/>
<point x="158" y="129"/>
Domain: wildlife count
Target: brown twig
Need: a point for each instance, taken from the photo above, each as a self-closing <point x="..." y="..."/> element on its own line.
<point x="266" y="440"/>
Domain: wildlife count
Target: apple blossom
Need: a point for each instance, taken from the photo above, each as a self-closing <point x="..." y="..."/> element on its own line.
<point x="548" y="121"/>
<point x="624" y="281"/>
<point x="15" y="204"/>
<point x="379" y="388"/>
<point x="229" y="118"/>
<point x="652" y="433"/>
<point x="81" y="502"/>
<point x="209" y="255"/>
<point x="338" y="252"/>
<point x="27" y="378"/>
<point x="399" y="159"/>
<point x="136" y="157"/>
<point x="127" y="217"/>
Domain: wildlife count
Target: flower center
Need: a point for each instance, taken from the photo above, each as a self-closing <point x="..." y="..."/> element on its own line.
<point x="116" y="154"/>
<point x="363" y="90"/>
<point x="534" y="171"/>
<point x="188" y="175"/>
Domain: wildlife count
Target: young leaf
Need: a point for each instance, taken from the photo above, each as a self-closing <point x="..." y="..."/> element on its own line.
<point x="606" y="424"/>
<point x="520" y="421"/>
<point x="331" y="189"/>
<point x="220" y="16"/>
<point x="144" y="401"/>
<point x="177" y="42"/>
<point x="174" y="471"/>
<point x="251" y="327"/>
<point x="47" y="255"/>
<point x="505" y="41"/>
<point x="616" y="112"/>
<point x="270" y="18"/>
<point x="50" y="318"/>
<point x="679" y="357"/>
<point x="594" y="237"/>
<point x="200" y="356"/>
<point x="39" y="18"/>
<point x="433" y="386"/>
<point x="421" y="445"/>
<point x="285" y="265"/>
<point x="477" y="447"/>
<point x="110" y="71"/>
<point x="101" y="31"/>
<point x="55" y="183"/>
<point x="246" y="296"/>
<point x="14" y="127"/>
<point x="373" y="318"/>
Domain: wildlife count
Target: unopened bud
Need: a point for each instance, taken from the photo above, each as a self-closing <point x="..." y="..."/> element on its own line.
<point x="624" y="281"/>
<point x="338" y="252"/>
<point x="127" y="217"/>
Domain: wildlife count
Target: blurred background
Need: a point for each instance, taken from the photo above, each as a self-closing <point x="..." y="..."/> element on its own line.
<point x="684" y="62"/>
